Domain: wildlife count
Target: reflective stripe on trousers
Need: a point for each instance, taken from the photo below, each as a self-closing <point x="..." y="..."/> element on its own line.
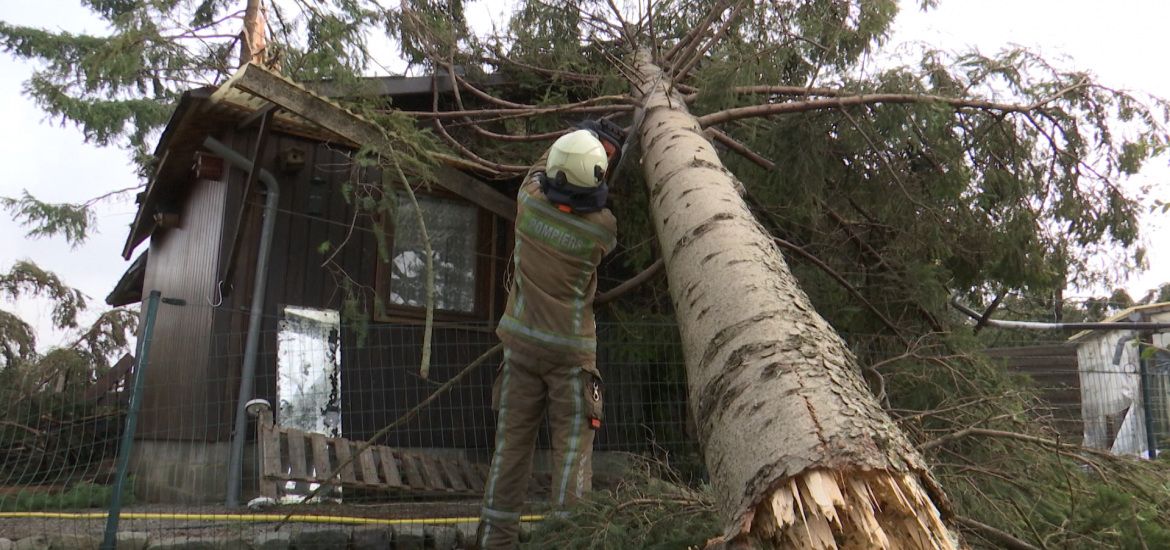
<point x="526" y="393"/>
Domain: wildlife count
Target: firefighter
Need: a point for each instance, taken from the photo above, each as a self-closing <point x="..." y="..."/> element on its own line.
<point x="563" y="229"/>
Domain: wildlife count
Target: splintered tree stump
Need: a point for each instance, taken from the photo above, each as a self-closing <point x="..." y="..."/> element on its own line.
<point x="799" y="452"/>
<point x="859" y="510"/>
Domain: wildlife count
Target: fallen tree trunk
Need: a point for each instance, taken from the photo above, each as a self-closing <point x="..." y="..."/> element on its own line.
<point x="799" y="452"/>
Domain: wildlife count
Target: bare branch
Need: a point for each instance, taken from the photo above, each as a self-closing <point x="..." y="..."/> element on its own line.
<point x="111" y="194"/>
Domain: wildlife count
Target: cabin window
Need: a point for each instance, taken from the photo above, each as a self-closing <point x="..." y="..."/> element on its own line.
<point x="456" y="230"/>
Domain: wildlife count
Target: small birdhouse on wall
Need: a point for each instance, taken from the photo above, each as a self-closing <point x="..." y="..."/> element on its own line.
<point x="290" y="160"/>
<point x="167" y="220"/>
<point x="208" y="167"/>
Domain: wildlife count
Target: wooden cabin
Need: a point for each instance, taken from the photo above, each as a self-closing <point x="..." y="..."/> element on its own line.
<point x="200" y="235"/>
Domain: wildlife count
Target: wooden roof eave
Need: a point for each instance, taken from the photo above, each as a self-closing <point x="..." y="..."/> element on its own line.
<point x="352" y="129"/>
<point x="186" y="112"/>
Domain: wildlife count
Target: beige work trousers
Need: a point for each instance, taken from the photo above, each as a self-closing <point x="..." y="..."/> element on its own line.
<point x="524" y="390"/>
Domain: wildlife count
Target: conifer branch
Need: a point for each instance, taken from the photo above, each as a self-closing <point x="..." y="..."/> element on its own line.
<point x="500" y="59"/>
<point x="624" y="25"/>
<point x="462" y="82"/>
<point x="689" y="41"/>
<point x="695" y="56"/>
<point x="587" y="106"/>
<point x="737" y="113"/>
<point x="841" y="102"/>
<point x="771" y="90"/>
<point x="769" y="165"/>
<point x="832" y="273"/>
<point x="467" y="152"/>
<point x="741" y="149"/>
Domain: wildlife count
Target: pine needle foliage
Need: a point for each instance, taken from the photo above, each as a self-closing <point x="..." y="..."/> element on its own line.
<point x="1003" y="464"/>
<point x="650" y="509"/>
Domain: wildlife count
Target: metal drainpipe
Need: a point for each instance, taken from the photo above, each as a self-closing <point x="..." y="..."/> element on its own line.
<point x="255" y="319"/>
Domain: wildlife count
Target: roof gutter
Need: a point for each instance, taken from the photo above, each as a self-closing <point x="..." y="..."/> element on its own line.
<point x="255" y="315"/>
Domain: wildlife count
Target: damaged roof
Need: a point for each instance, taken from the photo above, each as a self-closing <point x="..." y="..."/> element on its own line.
<point x="297" y="110"/>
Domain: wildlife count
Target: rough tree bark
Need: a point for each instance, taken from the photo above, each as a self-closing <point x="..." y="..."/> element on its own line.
<point x="254" y="40"/>
<point x="799" y="452"/>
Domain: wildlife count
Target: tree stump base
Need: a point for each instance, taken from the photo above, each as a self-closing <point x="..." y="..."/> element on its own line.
<point x="827" y="510"/>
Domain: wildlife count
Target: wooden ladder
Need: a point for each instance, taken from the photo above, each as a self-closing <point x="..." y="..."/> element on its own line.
<point x="288" y="454"/>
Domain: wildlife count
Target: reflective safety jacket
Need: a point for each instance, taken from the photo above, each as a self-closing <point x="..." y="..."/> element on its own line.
<point x="549" y="316"/>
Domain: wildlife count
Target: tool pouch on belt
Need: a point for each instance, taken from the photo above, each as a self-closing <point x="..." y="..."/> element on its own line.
<point x="594" y="398"/>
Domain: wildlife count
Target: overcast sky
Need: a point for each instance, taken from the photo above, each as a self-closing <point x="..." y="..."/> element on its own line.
<point x="1123" y="42"/>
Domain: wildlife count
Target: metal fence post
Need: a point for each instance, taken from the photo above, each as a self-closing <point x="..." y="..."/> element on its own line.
<point x="1144" y="365"/>
<point x="109" y="542"/>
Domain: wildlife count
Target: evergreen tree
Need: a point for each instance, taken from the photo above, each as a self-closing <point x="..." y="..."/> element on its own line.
<point x="889" y="190"/>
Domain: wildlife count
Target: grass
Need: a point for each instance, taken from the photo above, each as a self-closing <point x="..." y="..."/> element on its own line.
<point x="82" y="495"/>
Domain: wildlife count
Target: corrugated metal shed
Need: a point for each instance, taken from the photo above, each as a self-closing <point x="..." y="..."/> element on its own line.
<point x="1113" y="397"/>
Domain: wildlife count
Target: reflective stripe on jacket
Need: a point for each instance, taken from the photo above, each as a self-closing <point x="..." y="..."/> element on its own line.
<point x="549" y="315"/>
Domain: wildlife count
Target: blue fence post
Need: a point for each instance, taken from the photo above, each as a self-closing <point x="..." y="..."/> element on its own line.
<point x="110" y="542"/>
<point x="1145" y="362"/>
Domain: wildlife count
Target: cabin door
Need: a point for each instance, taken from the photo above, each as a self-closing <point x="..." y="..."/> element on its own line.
<point x="308" y="384"/>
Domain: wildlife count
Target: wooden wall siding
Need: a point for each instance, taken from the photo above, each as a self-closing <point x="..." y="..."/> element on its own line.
<point x="380" y="383"/>
<point x="379" y="379"/>
<point x="1053" y="370"/>
<point x="181" y="390"/>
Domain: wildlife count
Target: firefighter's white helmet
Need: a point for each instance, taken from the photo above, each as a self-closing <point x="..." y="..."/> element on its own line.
<point x="580" y="156"/>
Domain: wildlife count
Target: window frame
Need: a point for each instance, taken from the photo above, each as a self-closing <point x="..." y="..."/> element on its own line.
<point x="486" y="270"/>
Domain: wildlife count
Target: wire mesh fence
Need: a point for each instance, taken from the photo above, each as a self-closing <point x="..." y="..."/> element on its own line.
<point x="327" y="386"/>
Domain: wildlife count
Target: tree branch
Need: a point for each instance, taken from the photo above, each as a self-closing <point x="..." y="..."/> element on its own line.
<point x="633" y="282"/>
<point x="1002" y="537"/>
<point x="567" y="75"/>
<point x="728" y="115"/>
<point x="495" y="166"/>
<point x="767" y="164"/>
<point x="696" y="33"/>
<point x="969" y="431"/>
<point x="776" y="90"/>
<point x="582" y="107"/>
<point x="697" y="54"/>
<point x="462" y="82"/>
<point x="844" y="284"/>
